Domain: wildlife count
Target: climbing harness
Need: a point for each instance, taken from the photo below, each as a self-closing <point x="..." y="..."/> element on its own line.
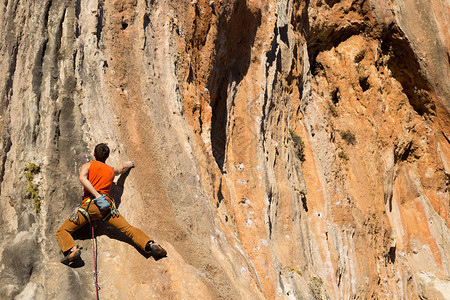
<point x="113" y="212"/>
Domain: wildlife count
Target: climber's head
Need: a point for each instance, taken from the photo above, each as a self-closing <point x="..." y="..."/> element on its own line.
<point x="101" y="152"/>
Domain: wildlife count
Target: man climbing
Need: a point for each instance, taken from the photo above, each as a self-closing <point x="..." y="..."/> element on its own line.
<point x="97" y="178"/>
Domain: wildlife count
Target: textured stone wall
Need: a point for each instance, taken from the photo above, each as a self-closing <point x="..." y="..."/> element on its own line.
<point x="283" y="149"/>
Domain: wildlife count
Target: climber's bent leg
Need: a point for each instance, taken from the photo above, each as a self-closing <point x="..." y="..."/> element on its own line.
<point x="64" y="233"/>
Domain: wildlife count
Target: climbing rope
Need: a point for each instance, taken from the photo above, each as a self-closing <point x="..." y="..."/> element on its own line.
<point x="85" y="212"/>
<point x="94" y="250"/>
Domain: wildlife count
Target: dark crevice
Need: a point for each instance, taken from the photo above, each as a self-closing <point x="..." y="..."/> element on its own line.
<point x="305" y="206"/>
<point x="57" y="127"/>
<point x="11" y="73"/>
<point x="364" y="84"/>
<point x="284" y="34"/>
<point x="320" y="40"/>
<point x="263" y="118"/>
<point x="446" y="137"/>
<point x="237" y="34"/>
<point x="15" y="4"/>
<point x="124" y="25"/>
<point x="37" y="71"/>
<point x="272" y="53"/>
<point x="269" y="221"/>
<point x="77" y="17"/>
<point x="339" y="276"/>
<point x="58" y="34"/>
<point x="267" y="107"/>
<point x="390" y="256"/>
<point x="219" y="130"/>
<point x="190" y="77"/>
<point x="7" y="147"/>
<point x="300" y="21"/>
<point x="407" y="152"/>
<point x="219" y="195"/>
<point x="46" y="14"/>
<point x="301" y="25"/>
<point x="331" y="3"/>
<point x="36" y="82"/>
<point x="279" y="62"/>
<point x="402" y="154"/>
<point x="77" y="9"/>
<point x="406" y="69"/>
<point x="13" y="38"/>
<point x="448" y="57"/>
<point x="335" y="96"/>
<point x="149" y="3"/>
<point x="275" y="158"/>
<point x="271" y="56"/>
<point x="146" y="22"/>
<point x="99" y="21"/>
<point x="196" y="38"/>
<point x="359" y="57"/>
<point x="200" y="121"/>
<point x="74" y="60"/>
<point x="290" y="77"/>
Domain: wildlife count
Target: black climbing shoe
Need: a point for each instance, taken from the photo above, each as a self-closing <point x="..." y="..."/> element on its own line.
<point x="155" y="250"/>
<point x="71" y="256"/>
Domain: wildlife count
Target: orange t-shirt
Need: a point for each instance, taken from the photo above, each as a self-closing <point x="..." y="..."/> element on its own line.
<point x="101" y="176"/>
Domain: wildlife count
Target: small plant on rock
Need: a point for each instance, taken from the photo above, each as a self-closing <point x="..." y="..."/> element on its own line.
<point x="30" y="170"/>
<point x="298" y="144"/>
<point x="343" y="155"/>
<point x="315" y="285"/>
<point x="348" y="136"/>
<point x="296" y="271"/>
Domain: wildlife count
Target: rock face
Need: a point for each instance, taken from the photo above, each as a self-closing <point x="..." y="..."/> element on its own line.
<point x="283" y="149"/>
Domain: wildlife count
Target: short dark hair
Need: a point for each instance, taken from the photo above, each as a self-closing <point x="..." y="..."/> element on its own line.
<point x="101" y="152"/>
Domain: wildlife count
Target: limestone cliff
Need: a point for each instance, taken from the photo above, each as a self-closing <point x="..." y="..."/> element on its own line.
<point x="283" y="149"/>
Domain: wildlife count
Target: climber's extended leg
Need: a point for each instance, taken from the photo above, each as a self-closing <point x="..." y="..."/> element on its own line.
<point x="137" y="235"/>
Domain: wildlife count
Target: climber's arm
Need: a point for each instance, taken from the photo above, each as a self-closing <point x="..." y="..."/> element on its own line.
<point x="123" y="168"/>
<point x="85" y="181"/>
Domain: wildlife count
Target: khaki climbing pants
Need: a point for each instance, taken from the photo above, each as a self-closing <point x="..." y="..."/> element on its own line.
<point x="64" y="233"/>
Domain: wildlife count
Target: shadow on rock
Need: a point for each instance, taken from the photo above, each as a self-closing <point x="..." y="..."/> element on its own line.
<point x="118" y="187"/>
<point x="77" y="263"/>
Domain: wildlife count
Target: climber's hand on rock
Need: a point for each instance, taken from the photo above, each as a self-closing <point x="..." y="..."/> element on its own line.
<point x="129" y="164"/>
<point x="123" y="168"/>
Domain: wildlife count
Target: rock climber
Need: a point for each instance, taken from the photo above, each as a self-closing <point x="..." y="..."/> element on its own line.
<point x="97" y="178"/>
